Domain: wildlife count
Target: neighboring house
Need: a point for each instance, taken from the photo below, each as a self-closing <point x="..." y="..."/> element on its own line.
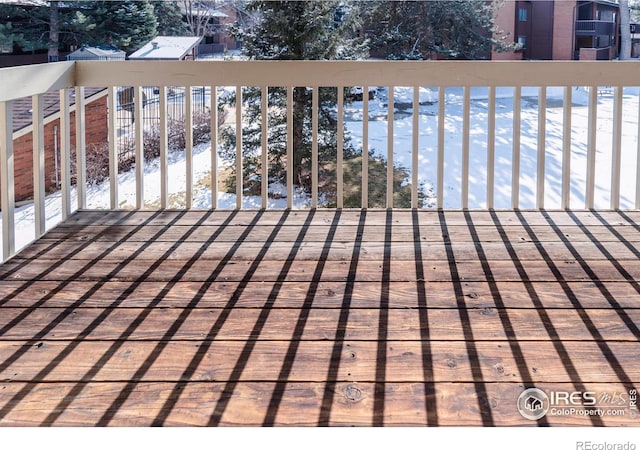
<point x="100" y="52"/>
<point x="561" y="29"/>
<point x="219" y="40"/>
<point x="168" y="48"/>
<point x="215" y="18"/>
<point x="96" y="136"/>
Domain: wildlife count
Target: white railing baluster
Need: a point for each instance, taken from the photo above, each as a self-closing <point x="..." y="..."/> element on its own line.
<point x="239" y="161"/>
<point x="40" y="218"/>
<point x="415" y="146"/>
<point x="265" y="143"/>
<point x="340" y="150"/>
<point x="566" y="148"/>
<point x="289" y="147"/>
<point x="7" y="177"/>
<point x="65" y="154"/>
<point x="164" y="150"/>
<point x="491" y="148"/>
<point x="542" y="142"/>
<point x="441" y="123"/>
<point x="213" y="107"/>
<point x="616" y="147"/>
<point x="365" y="146"/>
<point x="390" y="119"/>
<point x="188" y="123"/>
<point x="314" y="146"/>
<point x="466" y="137"/>
<point x="138" y="98"/>
<point x="591" y="147"/>
<point x="113" y="147"/>
<point x="515" y="158"/>
<point x="81" y="148"/>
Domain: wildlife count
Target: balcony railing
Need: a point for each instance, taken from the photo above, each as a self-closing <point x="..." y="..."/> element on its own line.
<point x="594" y="27"/>
<point x="455" y="141"/>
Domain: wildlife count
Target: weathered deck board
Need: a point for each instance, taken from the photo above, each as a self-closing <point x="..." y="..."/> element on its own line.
<point x="318" y="233"/>
<point x="318" y="317"/>
<point x="200" y="270"/>
<point x="268" y="402"/>
<point x="59" y="294"/>
<point x="339" y="251"/>
<point x="357" y="361"/>
<point x="321" y="324"/>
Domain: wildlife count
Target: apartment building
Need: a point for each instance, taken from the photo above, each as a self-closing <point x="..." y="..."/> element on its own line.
<point x="561" y="29"/>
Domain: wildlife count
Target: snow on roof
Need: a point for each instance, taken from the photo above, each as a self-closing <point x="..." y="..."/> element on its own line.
<point x="98" y="52"/>
<point x="167" y="47"/>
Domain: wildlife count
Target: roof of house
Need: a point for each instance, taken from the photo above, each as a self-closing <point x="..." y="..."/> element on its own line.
<point x="23" y="108"/>
<point x="97" y="52"/>
<point x="167" y="47"/>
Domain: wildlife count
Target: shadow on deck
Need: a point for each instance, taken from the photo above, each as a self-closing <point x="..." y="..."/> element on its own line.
<point x="313" y="318"/>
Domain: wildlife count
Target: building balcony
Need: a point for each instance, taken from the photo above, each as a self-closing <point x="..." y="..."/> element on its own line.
<point x="594" y="28"/>
<point x="507" y="259"/>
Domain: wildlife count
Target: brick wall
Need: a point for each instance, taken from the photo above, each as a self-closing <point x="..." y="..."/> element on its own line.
<point x="563" y="19"/>
<point x="505" y="21"/>
<point x="96" y="133"/>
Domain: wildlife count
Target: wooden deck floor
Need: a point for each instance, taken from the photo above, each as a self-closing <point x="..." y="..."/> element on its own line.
<point x="320" y="318"/>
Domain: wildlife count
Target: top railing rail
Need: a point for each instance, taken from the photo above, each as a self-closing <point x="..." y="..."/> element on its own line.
<point x="357" y="73"/>
<point x="25" y="81"/>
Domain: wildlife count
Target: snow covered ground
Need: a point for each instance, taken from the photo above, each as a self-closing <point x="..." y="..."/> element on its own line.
<point x="98" y="195"/>
<point x="503" y="143"/>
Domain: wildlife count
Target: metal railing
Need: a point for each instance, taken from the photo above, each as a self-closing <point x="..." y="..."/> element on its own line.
<point x="405" y="88"/>
<point x="150" y="117"/>
<point x="594" y="27"/>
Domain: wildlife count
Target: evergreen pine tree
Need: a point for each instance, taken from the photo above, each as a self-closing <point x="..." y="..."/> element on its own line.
<point x="126" y="25"/>
<point x="293" y="30"/>
<point x="10" y="38"/>
<point x="457" y="29"/>
<point x="28" y="28"/>
<point x="169" y="17"/>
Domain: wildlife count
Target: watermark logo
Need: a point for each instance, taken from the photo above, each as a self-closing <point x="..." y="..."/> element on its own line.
<point x="533" y="404"/>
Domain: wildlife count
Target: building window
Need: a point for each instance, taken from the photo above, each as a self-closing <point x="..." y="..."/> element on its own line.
<point x="522" y="42"/>
<point x="522" y="14"/>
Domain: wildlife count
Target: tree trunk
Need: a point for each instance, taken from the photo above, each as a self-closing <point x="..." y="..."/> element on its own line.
<point x="198" y="16"/>
<point x="625" y="30"/>
<point x="54" y="27"/>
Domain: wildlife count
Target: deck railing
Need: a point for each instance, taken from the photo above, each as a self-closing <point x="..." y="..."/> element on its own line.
<point x="473" y="132"/>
